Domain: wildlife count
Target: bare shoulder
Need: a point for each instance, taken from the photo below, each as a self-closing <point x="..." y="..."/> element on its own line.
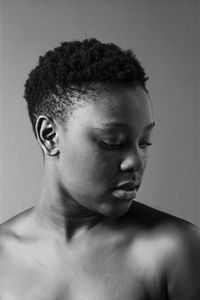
<point x="183" y="262"/>
<point x="12" y="232"/>
<point x="174" y="248"/>
<point x="154" y="221"/>
<point x="18" y="266"/>
<point x="8" y="239"/>
<point x="166" y="231"/>
<point x="15" y="224"/>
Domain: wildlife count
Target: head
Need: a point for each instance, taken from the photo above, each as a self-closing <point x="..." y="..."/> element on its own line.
<point x="91" y="114"/>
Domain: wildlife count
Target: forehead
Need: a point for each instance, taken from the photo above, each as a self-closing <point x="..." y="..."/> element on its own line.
<point x="128" y="106"/>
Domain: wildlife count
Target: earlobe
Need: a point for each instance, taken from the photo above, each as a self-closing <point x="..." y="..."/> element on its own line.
<point x="47" y="135"/>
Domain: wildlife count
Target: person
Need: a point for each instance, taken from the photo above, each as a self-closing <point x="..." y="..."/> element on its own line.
<point x="87" y="238"/>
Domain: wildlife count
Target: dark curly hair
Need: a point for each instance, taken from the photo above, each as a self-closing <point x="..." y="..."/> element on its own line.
<point x="75" y="68"/>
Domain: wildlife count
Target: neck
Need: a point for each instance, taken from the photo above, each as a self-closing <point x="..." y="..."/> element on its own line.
<point x="59" y="212"/>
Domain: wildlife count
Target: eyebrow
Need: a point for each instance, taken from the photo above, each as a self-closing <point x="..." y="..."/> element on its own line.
<point x="123" y="125"/>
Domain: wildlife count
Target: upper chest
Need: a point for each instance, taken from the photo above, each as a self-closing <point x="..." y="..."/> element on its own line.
<point x="101" y="271"/>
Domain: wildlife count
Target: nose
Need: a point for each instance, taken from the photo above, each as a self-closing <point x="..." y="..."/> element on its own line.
<point x="133" y="161"/>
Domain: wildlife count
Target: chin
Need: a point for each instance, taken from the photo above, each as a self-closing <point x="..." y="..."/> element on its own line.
<point x="115" y="211"/>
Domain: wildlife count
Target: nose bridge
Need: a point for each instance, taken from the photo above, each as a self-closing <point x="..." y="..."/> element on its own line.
<point x="133" y="159"/>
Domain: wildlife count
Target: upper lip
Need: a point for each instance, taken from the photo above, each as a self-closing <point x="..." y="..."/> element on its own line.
<point x="128" y="186"/>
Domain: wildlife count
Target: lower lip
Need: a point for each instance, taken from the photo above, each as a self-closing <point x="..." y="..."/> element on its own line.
<point x="123" y="194"/>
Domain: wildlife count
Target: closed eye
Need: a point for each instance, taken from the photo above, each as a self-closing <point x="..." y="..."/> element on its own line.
<point x="145" y="145"/>
<point x="118" y="146"/>
<point x="112" y="146"/>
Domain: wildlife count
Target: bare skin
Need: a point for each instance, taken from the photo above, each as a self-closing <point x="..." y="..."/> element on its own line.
<point x="130" y="257"/>
<point x="81" y="242"/>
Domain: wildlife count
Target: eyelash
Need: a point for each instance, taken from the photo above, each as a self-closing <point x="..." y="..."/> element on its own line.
<point x="110" y="146"/>
<point x="145" y="145"/>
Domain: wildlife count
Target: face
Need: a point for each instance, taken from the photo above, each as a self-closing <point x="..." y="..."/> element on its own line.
<point x="106" y="144"/>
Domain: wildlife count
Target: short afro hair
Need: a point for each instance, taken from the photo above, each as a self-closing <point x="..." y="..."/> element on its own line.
<point x="74" y="68"/>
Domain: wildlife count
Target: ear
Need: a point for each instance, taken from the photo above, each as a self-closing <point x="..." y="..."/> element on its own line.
<point x="47" y="135"/>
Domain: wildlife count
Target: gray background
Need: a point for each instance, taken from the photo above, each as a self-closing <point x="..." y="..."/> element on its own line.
<point x="165" y="36"/>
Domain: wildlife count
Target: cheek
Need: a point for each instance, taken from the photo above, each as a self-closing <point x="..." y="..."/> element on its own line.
<point x="86" y="166"/>
<point x="145" y="159"/>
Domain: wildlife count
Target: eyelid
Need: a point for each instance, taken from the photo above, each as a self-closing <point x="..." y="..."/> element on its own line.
<point x="145" y="144"/>
<point x="113" y="140"/>
<point x="112" y="146"/>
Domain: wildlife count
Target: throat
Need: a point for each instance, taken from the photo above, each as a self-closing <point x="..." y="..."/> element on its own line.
<point x="66" y="217"/>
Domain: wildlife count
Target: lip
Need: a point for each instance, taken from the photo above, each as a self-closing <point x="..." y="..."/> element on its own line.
<point x="126" y="190"/>
<point x="128" y="186"/>
<point x="124" y="195"/>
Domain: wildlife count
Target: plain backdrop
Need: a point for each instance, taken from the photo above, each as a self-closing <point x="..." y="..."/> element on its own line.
<point x="164" y="34"/>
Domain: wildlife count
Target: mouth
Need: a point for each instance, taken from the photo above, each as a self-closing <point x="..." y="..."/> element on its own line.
<point x="128" y="186"/>
<point x="125" y="195"/>
<point x="126" y="190"/>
